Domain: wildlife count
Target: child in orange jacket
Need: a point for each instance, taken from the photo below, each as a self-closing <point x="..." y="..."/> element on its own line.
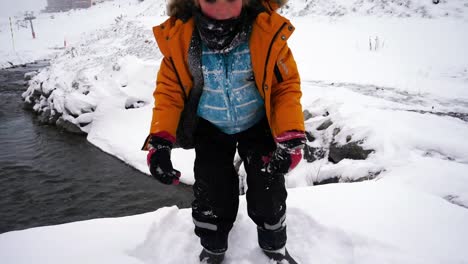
<point x="228" y="82"/>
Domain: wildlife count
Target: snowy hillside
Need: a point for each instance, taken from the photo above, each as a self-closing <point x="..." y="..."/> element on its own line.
<point x="385" y="94"/>
<point x="54" y="31"/>
<point x="386" y="8"/>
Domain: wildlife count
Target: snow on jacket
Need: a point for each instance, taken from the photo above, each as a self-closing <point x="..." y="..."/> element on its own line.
<point x="275" y="70"/>
<point x="230" y="99"/>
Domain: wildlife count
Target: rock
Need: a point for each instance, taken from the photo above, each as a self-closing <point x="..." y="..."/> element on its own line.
<point x="370" y="176"/>
<point x="28" y="105"/>
<point x="328" y="181"/>
<point x="29" y="75"/>
<point x="54" y="116"/>
<point x="69" y="126"/>
<point x="84" y="124"/>
<point x="309" y="136"/>
<point x="85" y="119"/>
<point x="326" y="124"/>
<point x="132" y="103"/>
<point x="75" y="85"/>
<point x="44" y="116"/>
<point x="307" y="114"/>
<point x="47" y="92"/>
<point x="336" y="131"/>
<point x="36" y="93"/>
<point x="116" y="67"/>
<point x="312" y="154"/>
<point x="350" y="150"/>
<point x="309" y="153"/>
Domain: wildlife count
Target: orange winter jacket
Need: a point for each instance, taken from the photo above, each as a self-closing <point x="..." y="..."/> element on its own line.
<point x="275" y="72"/>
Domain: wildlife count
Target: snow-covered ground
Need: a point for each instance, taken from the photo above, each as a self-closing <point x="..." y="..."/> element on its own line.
<point x="392" y="75"/>
<point x="366" y="223"/>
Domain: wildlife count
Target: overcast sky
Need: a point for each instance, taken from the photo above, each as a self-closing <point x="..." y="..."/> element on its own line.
<point x="12" y="7"/>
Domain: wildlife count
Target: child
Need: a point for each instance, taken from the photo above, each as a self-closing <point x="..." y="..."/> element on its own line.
<point x="228" y="82"/>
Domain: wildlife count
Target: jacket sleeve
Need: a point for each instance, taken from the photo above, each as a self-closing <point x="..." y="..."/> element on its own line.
<point x="168" y="101"/>
<point x="286" y="94"/>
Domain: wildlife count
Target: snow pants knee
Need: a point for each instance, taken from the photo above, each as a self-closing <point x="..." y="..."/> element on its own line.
<point x="216" y="187"/>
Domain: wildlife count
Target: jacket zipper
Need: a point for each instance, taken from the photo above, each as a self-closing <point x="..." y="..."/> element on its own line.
<point x="231" y="112"/>
<point x="268" y="56"/>
<point x="178" y="79"/>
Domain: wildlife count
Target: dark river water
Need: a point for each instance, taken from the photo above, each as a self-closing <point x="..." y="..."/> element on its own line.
<point x="50" y="177"/>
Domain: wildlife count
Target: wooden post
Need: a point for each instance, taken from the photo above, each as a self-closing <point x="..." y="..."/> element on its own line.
<point x="12" y="37"/>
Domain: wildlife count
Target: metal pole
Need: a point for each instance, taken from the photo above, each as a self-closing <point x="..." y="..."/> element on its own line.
<point x="12" y="37"/>
<point x="32" y="29"/>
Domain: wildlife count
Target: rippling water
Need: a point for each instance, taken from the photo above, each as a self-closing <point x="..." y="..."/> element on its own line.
<point x="51" y="177"/>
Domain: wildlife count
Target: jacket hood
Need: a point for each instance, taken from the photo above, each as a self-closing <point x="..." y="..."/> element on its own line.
<point x="183" y="8"/>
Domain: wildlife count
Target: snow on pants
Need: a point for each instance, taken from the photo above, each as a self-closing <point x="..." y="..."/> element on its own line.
<point x="216" y="187"/>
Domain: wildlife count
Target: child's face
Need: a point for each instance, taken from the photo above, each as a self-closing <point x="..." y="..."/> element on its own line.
<point x="221" y="9"/>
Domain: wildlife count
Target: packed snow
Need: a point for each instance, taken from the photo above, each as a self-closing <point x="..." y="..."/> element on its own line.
<point x="368" y="223"/>
<point x="390" y="75"/>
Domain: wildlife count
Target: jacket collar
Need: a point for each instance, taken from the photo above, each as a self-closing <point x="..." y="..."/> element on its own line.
<point x="176" y="29"/>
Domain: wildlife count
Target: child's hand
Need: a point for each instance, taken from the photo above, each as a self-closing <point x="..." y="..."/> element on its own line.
<point x="288" y="152"/>
<point x="159" y="161"/>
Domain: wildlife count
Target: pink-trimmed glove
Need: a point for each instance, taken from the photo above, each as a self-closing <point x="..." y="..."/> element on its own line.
<point x="159" y="158"/>
<point x="288" y="152"/>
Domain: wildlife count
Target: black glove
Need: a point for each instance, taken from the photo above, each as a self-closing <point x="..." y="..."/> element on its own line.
<point x="159" y="161"/>
<point x="288" y="152"/>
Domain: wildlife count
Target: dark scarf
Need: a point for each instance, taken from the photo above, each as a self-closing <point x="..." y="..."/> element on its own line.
<point x="224" y="35"/>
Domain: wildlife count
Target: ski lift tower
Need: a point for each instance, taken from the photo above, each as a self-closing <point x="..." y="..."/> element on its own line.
<point x="30" y="16"/>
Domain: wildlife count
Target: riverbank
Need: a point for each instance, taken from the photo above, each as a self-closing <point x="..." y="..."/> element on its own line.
<point x="49" y="177"/>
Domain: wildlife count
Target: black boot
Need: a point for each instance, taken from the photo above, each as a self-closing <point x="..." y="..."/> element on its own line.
<point x="280" y="256"/>
<point x="208" y="257"/>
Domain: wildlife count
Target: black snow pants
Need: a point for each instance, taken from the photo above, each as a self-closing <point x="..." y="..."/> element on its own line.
<point x="216" y="187"/>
